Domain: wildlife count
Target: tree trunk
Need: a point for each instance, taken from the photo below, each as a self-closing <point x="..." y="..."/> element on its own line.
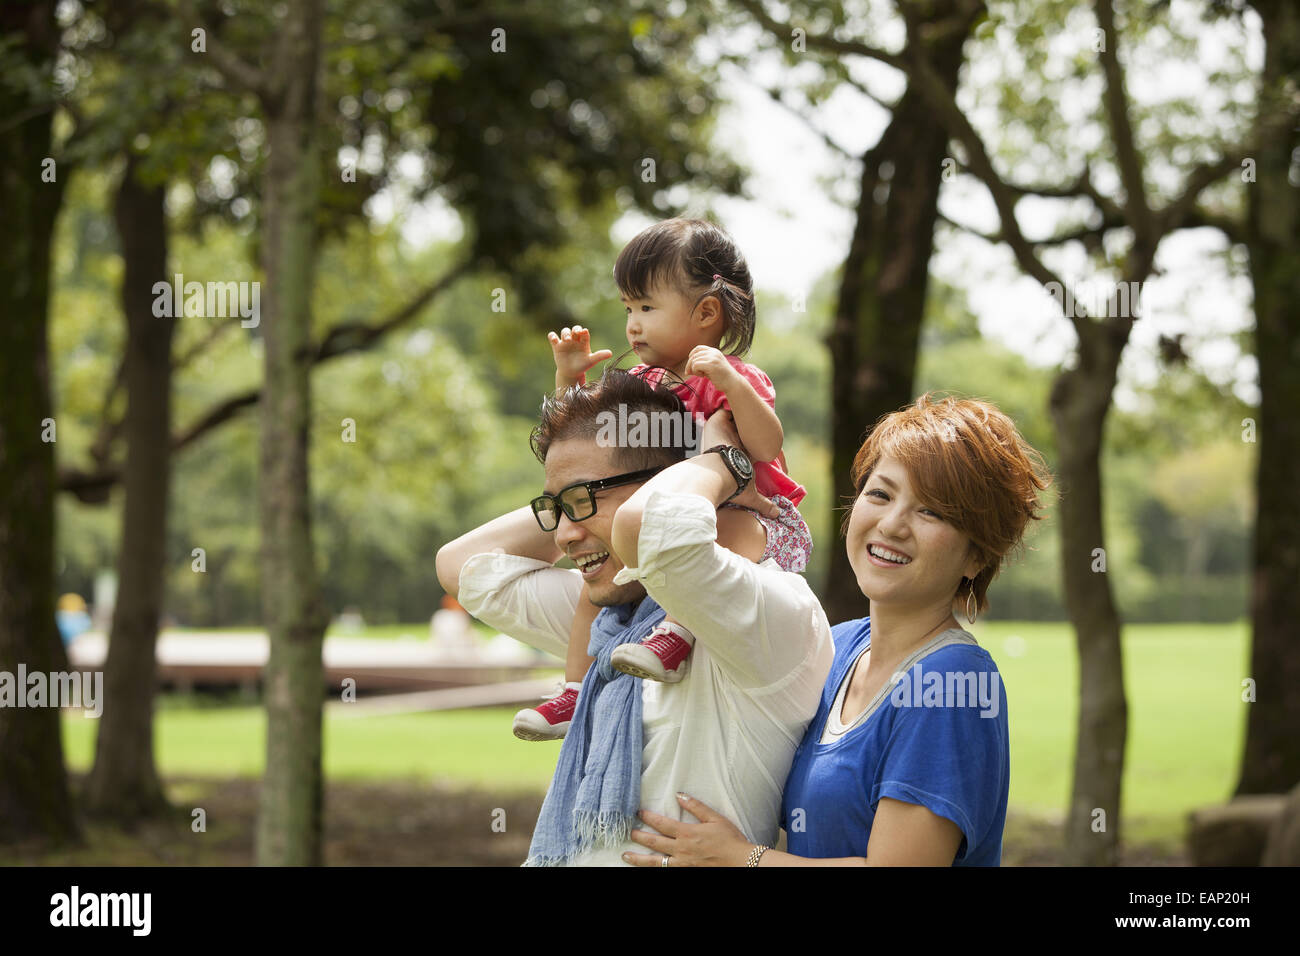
<point x="290" y="813"/>
<point x="1079" y="402"/>
<point x="1271" y="759"/>
<point x="34" y="796"/>
<point x="877" y="326"/>
<point x="124" y="782"/>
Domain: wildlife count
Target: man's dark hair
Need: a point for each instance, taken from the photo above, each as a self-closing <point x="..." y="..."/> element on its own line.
<point x="592" y="411"/>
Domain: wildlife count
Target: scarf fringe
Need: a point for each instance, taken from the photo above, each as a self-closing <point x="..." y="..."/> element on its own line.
<point x="606" y="829"/>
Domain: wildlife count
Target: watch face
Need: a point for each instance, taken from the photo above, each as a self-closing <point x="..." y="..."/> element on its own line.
<point x="742" y="464"/>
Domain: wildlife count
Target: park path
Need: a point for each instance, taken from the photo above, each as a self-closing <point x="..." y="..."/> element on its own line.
<point x="494" y="673"/>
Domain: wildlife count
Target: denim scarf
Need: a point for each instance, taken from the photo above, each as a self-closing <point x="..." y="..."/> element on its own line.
<point x="595" y="794"/>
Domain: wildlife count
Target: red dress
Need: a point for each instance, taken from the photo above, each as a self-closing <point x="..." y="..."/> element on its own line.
<point x="703" y="398"/>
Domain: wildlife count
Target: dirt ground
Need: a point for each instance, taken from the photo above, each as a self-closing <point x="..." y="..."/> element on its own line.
<point x="407" y="824"/>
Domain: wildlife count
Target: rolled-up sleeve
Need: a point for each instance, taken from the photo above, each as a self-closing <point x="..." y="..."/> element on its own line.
<point x="524" y="598"/>
<point x="761" y="623"/>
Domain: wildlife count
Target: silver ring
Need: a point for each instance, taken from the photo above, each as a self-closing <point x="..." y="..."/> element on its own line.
<point x="664" y="861"/>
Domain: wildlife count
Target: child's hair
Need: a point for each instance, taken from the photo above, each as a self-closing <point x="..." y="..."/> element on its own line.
<point x="694" y="257"/>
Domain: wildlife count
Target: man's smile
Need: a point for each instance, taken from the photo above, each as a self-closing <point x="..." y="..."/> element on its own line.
<point x="591" y="563"/>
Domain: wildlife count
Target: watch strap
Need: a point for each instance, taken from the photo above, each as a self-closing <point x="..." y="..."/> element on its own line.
<point x="722" y="452"/>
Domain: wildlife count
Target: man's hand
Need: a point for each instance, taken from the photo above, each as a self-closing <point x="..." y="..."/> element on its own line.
<point x="720" y="429"/>
<point x="573" y="356"/>
<point x="707" y="361"/>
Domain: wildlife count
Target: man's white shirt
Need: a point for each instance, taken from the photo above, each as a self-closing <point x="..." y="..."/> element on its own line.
<point x="727" y="732"/>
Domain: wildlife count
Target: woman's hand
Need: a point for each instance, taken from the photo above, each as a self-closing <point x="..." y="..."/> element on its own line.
<point x="720" y="429"/>
<point x="573" y="356"/>
<point x="714" y="841"/>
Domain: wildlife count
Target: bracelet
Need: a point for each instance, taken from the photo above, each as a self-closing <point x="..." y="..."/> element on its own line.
<point x="756" y="854"/>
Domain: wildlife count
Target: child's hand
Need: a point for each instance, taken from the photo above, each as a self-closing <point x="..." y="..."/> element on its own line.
<point x="573" y="356"/>
<point x="707" y="361"/>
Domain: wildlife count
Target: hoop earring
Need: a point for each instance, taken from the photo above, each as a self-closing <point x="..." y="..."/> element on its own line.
<point x="969" y="595"/>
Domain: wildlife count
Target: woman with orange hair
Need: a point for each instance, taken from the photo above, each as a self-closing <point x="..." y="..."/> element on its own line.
<point x="907" y="760"/>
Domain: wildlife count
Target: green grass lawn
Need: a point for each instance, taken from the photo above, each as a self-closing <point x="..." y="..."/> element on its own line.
<point x="1186" y="725"/>
<point x="465" y="746"/>
<point x="1186" y="716"/>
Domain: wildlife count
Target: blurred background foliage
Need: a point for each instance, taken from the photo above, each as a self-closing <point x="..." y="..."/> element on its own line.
<point x="526" y="187"/>
<point x="442" y="410"/>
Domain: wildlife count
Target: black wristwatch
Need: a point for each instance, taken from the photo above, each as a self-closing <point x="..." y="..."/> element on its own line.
<point x="737" y="462"/>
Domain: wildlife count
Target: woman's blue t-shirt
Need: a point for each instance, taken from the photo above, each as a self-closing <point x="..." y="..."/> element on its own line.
<point x="943" y="747"/>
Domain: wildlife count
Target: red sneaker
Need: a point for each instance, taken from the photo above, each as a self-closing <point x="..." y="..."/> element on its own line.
<point x="551" y="720"/>
<point x="661" y="656"/>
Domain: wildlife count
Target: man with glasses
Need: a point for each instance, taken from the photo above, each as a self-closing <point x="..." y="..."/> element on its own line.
<point x="640" y="525"/>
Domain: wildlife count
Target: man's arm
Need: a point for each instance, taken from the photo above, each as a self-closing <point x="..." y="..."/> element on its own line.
<point x="503" y="574"/>
<point x="704" y="475"/>
<point x="515" y="533"/>
<point x="759" y="624"/>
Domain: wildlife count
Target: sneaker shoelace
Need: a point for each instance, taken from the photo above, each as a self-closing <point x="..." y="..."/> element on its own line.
<point x="560" y="692"/>
<point x="661" y="641"/>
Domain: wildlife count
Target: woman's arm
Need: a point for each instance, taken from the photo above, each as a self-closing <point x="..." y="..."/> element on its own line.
<point x="908" y="834"/>
<point x="902" y="834"/>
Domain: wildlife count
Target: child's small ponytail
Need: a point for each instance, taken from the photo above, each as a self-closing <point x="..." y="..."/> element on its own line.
<point x="738" y="308"/>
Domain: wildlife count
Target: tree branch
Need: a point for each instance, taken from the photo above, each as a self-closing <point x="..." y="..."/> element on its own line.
<point x="1174" y="215"/>
<point x="818" y="41"/>
<point x="1081" y="188"/>
<point x="352" y="336"/>
<point x="344" y="337"/>
<point x="825" y="137"/>
<point x="1077" y="234"/>
<point x="862" y="88"/>
<point x="216" y="331"/>
<point x="1137" y="210"/>
<point x="932" y="89"/>
<point x="1202" y="218"/>
<point x="221" y="412"/>
<point x="237" y="71"/>
<point x="1148" y="226"/>
<point x="109" y="428"/>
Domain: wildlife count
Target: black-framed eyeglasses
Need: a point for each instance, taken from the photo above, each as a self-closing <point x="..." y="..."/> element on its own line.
<point x="578" y="500"/>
